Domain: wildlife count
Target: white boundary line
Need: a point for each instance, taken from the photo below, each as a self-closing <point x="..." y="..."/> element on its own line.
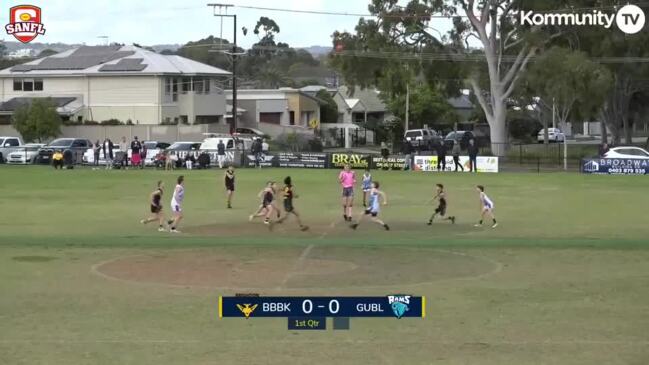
<point x="300" y="260"/>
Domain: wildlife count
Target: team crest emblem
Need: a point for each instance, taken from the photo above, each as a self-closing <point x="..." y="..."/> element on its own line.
<point x="246" y="309"/>
<point x="399" y="304"/>
<point x="25" y="23"/>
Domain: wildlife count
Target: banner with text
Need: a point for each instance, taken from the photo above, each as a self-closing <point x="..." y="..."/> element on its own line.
<point x="355" y="160"/>
<point x="615" y="166"/>
<point x="429" y="163"/>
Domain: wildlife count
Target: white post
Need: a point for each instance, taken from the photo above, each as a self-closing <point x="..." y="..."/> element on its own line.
<point x="348" y="142"/>
<point x="407" y="107"/>
<point x="565" y="153"/>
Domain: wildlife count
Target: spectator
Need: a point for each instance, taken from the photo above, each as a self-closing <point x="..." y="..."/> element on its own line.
<point x="68" y="159"/>
<point x="136" y="146"/>
<point x="203" y="160"/>
<point x="57" y="159"/>
<point x="189" y="162"/>
<point x="264" y="147"/>
<point x="473" y="156"/>
<point x="603" y="148"/>
<point x="456" y="155"/>
<point x="407" y="150"/>
<point x="256" y="151"/>
<point x="143" y="155"/>
<point x="441" y="156"/>
<point x="220" y="148"/>
<point x="123" y="151"/>
<point x="96" y="149"/>
<point x="108" y="153"/>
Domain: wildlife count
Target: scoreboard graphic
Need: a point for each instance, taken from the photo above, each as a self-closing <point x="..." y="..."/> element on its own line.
<point x="312" y="312"/>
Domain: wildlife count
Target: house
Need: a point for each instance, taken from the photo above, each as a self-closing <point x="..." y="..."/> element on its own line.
<point x="127" y="83"/>
<point x="275" y="111"/>
<point x="463" y="107"/>
<point x="350" y="110"/>
<point x="370" y="100"/>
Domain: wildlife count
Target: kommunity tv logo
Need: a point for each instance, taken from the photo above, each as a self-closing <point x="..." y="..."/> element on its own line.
<point x="629" y="19"/>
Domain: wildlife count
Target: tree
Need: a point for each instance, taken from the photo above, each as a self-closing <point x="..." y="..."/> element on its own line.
<point x="570" y="82"/>
<point x="404" y="35"/>
<point x="46" y="52"/>
<point x="328" y="111"/>
<point x="427" y="106"/>
<point x="37" y="121"/>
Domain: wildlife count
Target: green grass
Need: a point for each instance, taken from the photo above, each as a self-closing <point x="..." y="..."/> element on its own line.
<point x="562" y="280"/>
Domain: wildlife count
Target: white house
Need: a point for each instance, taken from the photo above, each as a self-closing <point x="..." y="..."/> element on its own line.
<point x="118" y="82"/>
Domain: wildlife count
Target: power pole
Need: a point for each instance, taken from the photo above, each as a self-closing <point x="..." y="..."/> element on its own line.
<point x="407" y="107"/>
<point x="233" y="128"/>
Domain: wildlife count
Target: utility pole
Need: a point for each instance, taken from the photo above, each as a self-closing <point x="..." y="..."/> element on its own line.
<point x="233" y="127"/>
<point x="407" y="126"/>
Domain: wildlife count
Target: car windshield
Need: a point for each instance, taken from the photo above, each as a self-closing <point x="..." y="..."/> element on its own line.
<point x="413" y="134"/>
<point x="1" y="141"/>
<point x="150" y="145"/>
<point x="61" y="143"/>
<point x="181" y="146"/>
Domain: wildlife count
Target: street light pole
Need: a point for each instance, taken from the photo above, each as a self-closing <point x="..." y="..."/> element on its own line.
<point x="233" y="127"/>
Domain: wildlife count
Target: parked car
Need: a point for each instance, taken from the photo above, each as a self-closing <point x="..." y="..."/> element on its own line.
<point x="153" y="149"/>
<point x="627" y="152"/>
<point x="462" y="136"/>
<point x="252" y="132"/>
<point x="8" y="145"/>
<point x="232" y="144"/>
<point x="184" y="149"/>
<point x="554" y="135"/>
<point x="27" y="154"/>
<point x="77" y="146"/>
<point x="422" y="138"/>
<point x="89" y="156"/>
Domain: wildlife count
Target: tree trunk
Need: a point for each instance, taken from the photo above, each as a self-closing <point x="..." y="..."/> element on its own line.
<point x="602" y="125"/>
<point x="498" y="130"/>
<point x="628" y="136"/>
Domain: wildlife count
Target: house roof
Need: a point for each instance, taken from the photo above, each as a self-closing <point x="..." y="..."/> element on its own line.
<point x="461" y="102"/>
<point x="112" y="60"/>
<point x="63" y="105"/>
<point x="369" y="97"/>
<point x="270" y="94"/>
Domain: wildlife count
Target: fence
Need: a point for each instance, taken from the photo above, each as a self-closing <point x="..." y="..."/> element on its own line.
<point x="164" y="133"/>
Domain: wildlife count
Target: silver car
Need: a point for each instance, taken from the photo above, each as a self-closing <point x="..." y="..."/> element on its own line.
<point x="27" y="154"/>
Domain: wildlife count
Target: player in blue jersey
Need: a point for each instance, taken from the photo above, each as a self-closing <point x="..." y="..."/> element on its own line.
<point x="373" y="206"/>
<point x="487" y="207"/>
<point x="367" y="185"/>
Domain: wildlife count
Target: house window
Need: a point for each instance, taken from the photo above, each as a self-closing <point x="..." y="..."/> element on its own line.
<point x="198" y="85"/>
<point x="272" y="118"/>
<point x="18" y="84"/>
<point x="167" y="86"/>
<point x="207" y="86"/>
<point x="291" y="116"/>
<point x="28" y="85"/>
<point x="38" y="85"/>
<point x="174" y="89"/>
<point x="186" y="85"/>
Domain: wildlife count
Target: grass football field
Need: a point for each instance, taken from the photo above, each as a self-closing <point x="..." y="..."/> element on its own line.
<point x="562" y="280"/>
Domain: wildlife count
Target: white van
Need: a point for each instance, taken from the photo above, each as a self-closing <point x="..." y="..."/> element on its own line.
<point x="232" y="144"/>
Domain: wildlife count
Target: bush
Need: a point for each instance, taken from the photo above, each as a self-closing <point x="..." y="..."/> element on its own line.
<point x="111" y="121"/>
<point x="297" y="142"/>
<point x="523" y="129"/>
<point x="90" y="122"/>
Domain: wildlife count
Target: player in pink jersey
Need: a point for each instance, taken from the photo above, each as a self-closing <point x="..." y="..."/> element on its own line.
<point x="347" y="179"/>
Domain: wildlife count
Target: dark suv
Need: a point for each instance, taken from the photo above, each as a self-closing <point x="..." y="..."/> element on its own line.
<point x="77" y="146"/>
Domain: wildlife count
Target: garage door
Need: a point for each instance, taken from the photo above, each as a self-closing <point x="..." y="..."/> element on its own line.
<point x="272" y="118"/>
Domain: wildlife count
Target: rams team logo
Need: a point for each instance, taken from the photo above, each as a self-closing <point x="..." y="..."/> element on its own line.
<point x="246" y="309"/>
<point x="25" y="23"/>
<point x="399" y="304"/>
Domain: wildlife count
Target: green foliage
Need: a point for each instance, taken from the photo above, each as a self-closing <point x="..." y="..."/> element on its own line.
<point x="329" y="111"/>
<point x="427" y="106"/>
<point x="37" y="121"/>
<point x="111" y="121"/>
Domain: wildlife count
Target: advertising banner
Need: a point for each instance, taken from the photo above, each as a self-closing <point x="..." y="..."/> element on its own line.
<point x="391" y="163"/>
<point x="615" y="166"/>
<point x="429" y="163"/>
<point x="301" y="160"/>
<point x="265" y="160"/>
<point x="355" y="160"/>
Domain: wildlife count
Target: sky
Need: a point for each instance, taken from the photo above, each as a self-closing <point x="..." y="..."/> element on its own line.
<point x="150" y="22"/>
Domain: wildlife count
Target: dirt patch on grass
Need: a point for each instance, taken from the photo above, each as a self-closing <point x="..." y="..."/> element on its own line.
<point x="296" y="267"/>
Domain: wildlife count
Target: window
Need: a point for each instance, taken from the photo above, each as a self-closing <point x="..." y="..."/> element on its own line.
<point x="291" y="116"/>
<point x="186" y="85"/>
<point x="28" y="85"/>
<point x="11" y="142"/>
<point x="38" y="85"/>
<point x="230" y="145"/>
<point x="207" y="86"/>
<point x="18" y="84"/>
<point x="198" y="85"/>
<point x="167" y="86"/>
<point x="272" y="118"/>
<point x="174" y="90"/>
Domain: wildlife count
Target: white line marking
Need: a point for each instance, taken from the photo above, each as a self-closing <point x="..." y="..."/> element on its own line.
<point x="327" y="231"/>
<point x="296" y="266"/>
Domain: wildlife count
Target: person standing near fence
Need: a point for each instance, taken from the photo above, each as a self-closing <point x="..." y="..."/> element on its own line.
<point x="123" y="150"/>
<point x="456" y="155"/>
<point x="441" y="156"/>
<point x="136" y="146"/>
<point x="96" y="149"/>
<point x="108" y="153"/>
<point x="407" y="150"/>
<point x="220" y="153"/>
<point x="473" y="156"/>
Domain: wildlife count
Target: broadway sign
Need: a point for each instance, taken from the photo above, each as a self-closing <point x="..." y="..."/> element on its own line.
<point x="615" y="166"/>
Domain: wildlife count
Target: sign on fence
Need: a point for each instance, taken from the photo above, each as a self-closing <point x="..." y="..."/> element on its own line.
<point x="355" y="160"/>
<point x="615" y="166"/>
<point x="288" y="159"/>
<point x="391" y="163"/>
<point x="429" y="163"/>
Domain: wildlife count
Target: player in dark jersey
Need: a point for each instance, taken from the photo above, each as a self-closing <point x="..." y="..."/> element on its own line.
<point x="229" y="184"/>
<point x="156" y="207"/>
<point x="441" y="208"/>
<point x="266" y="208"/>
<point x="288" y="194"/>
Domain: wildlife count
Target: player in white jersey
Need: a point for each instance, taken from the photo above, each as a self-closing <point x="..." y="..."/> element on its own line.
<point x="487" y="207"/>
<point x="176" y="204"/>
